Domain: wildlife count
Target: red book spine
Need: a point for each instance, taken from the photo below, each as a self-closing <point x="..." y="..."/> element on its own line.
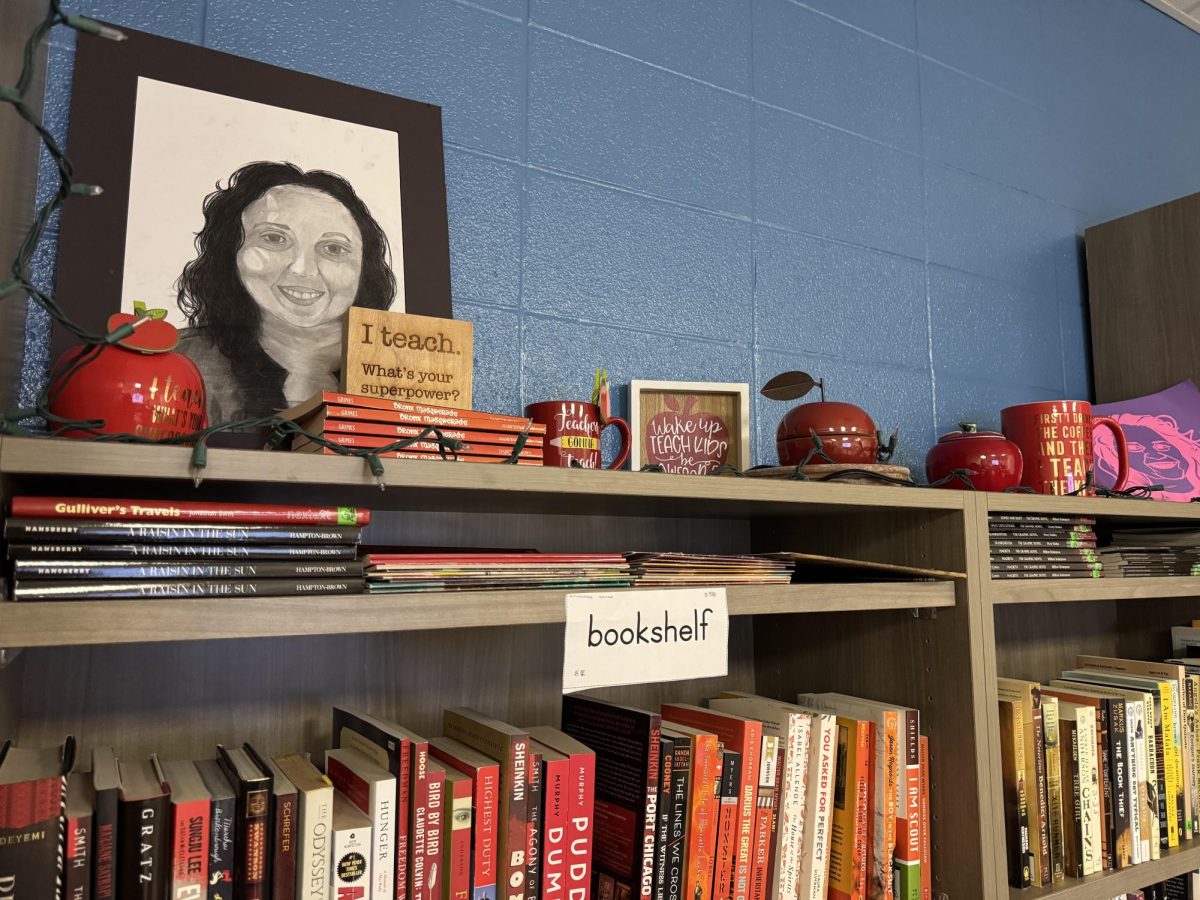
<point x="429" y="446"/>
<point x="186" y="511"/>
<point x="556" y="816"/>
<point x="189" y="849"/>
<point x="462" y="457"/>
<point x="383" y="429"/>
<point x="926" y="839"/>
<point x="402" y="822"/>
<point x="485" y="810"/>
<point x="78" y="861"/>
<point x="458" y="862"/>
<point x="582" y="801"/>
<point x="418" y="847"/>
<point x="435" y="844"/>
<point x="464" y="418"/>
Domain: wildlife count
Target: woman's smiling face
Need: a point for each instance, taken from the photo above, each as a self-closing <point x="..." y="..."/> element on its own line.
<point x="301" y="255"/>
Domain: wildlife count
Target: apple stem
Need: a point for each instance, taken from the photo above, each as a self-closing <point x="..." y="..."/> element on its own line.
<point x="821" y="385"/>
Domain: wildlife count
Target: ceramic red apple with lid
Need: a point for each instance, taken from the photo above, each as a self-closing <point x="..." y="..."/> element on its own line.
<point x="992" y="462"/>
<point x="846" y="432"/>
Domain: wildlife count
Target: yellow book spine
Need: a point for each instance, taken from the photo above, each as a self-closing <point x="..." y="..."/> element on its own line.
<point x="1171" y="760"/>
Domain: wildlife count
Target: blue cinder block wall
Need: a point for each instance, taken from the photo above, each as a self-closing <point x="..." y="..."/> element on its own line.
<point x="886" y="193"/>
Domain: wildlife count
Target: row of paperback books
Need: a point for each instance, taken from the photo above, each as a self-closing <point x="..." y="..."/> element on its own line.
<point x="746" y="799"/>
<point x="1101" y="767"/>
<point x="73" y="548"/>
<point x="350" y="420"/>
<point x="1043" y="546"/>
<point x="487" y="810"/>
<point x="1150" y="552"/>
<point x="751" y="798"/>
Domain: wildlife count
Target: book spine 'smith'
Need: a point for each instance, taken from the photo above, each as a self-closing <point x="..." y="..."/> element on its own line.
<point x="533" y="818"/>
<point x="1054" y="786"/>
<point x="666" y="771"/>
<point x="764" y="817"/>
<point x="185" y="511"/>
<point x="77" y="852"/>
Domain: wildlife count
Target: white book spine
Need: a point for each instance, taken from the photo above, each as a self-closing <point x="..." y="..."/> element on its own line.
<point x="790" y="832"/>
<point x="819" y="813"/>
<point x="1148" y="796"/>
<point x="351" y="863"/>
<point x="1132" y="716"/>
<point x="375" y="795"/>
<point x="1090" y="788"/>
<point x="316" y="820"/>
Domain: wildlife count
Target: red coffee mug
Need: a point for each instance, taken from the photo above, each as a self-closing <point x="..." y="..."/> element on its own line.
<point x="1055" y="438"/>
<point x="573" y="433"/>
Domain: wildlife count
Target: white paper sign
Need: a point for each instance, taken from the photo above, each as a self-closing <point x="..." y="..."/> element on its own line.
<point x="638" y="637"/>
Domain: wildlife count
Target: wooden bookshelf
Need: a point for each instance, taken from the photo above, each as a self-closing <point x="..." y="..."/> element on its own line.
<point x="1105" y="885"/>
<point x="65" y="623"/>
<point x="177" y="675"/>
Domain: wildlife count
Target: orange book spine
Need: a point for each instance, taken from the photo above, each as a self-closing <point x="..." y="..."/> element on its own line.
<point x="926" y="840"/>
<point x="396" y="432"/>
<point x="702" y="817"/>
<point x="458" y="418"/>
<point x="404" y="454"/>
<point x="869" y="861"/>
<point x="864" y="810"/>
<point x="425" y="446"/>
<point x="893" y="780"/>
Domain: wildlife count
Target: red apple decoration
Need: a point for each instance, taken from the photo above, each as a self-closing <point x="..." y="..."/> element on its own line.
<point x="846" y="433"/>
<point x="138" y="385"/>
<point x="686" y="442"/>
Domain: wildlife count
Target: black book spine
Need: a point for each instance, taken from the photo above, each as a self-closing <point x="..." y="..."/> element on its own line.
<point x="122" y="590"/>
<point x="533" y="815"/>
<point x="666" y="770"/>
<point x="283" y="857"/>
<point x="678" y="811"/>
<point x="182" y="551"/>
<point x="1119" y="752"/>
<point x="85" y="531"/>
<point x="252" y="830"/>
<point x="104" y="845"/>
<point x="222" y="846"/>
<point x="125" y="571"/>
<point x="144" y="850"/>
<point x="1041" y="807"/>
<point x="1110" y="835"/>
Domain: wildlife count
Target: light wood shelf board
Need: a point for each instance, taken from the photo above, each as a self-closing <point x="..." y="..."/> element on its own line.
<point x="62" y="623"/>
<point x="437" y="484"/>
<point x="1106" y="885"/>
<point x="1091" y="506"/>
<point x="1069" y="590"/>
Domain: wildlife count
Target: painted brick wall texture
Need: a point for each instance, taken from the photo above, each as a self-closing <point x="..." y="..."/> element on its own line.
<point x="886" y="193"/>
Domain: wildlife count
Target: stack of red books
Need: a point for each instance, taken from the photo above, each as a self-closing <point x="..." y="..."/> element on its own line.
<point x="368" y="422"/>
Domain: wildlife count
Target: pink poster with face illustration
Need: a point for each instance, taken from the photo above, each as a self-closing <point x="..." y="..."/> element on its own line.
<point x="1163" y="433"/>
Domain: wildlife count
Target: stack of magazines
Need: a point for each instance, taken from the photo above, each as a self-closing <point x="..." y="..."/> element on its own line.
<point x="1149" y="552"/>
<point x="684" y="569"/>
<point x="400" y="573"/>
<point x="79" y="548"/>
<point x="1043" y="546"/>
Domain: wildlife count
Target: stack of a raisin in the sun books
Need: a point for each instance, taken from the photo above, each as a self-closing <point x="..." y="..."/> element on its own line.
<point x="354" y="421"/>
<point x="1043" y="546"/>
<point x="81" y="548"/>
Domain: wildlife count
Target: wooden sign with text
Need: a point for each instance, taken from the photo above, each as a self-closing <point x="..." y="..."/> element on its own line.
<point x="397" y="356"/>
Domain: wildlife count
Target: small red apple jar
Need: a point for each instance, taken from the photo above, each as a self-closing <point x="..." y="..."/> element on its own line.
<point x="137" y="386"/>
<point x="992" y="461"/>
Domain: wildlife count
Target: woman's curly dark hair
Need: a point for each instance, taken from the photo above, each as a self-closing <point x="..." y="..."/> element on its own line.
<point x="210" y="292"/>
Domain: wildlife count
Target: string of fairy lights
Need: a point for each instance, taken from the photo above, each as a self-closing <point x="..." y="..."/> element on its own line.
<point x="19" y="283"/>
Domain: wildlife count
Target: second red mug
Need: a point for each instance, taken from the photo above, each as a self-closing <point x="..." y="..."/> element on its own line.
<point x="1055" y="438"/>
<point x="573" y="433"/>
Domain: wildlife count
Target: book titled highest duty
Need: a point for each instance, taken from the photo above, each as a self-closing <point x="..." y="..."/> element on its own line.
<point x="24" y="507"/>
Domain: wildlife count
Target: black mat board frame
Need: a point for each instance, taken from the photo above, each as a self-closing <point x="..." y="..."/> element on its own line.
<point x="91" y="251"/>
